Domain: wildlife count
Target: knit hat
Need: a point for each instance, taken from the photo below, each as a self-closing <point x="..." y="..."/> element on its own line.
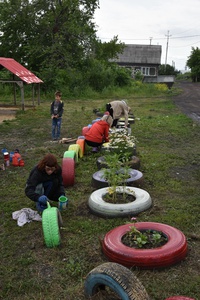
<point x="108" y="119"/>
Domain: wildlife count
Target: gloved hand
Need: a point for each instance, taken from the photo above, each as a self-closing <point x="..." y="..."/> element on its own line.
<point x="43" y="200"/>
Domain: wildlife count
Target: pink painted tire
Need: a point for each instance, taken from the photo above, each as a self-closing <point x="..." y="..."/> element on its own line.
<point x="68" y="171"/>
<point x="179" y="298"/>
<point x="169" y="254"/>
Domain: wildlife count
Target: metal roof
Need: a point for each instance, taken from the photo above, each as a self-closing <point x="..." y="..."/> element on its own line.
<point x="20" y="71"/>
<point x="142" y="54"/>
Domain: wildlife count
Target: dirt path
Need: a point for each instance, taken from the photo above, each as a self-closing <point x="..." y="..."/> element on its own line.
<point x="189" y="100"/>
<point x="7" y="113"/>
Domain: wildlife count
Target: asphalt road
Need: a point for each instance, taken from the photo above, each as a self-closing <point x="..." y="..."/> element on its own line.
<point x="189" y="99"/>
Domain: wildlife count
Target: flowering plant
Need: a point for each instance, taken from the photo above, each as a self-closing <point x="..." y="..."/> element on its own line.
<point x="121" y="142"/>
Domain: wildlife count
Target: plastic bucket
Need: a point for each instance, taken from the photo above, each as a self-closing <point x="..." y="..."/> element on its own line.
<point x="62" y="203"/>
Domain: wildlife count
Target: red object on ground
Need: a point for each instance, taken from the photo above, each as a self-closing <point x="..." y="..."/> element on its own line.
<point x="68" y="171"/>
<point x="179" y="298"/>
<point x="169" y="254"/>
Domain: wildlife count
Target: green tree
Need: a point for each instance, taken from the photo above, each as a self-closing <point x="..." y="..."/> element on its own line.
<point x="56" y="38"/>
<point x="167" y="70"/>
<point x="193" y="63"/>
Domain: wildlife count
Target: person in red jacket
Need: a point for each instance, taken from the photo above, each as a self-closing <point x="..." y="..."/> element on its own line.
<point x="98" y="133"/>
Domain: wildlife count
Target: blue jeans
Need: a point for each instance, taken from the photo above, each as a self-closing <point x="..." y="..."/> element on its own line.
<point x="56" y="125"/>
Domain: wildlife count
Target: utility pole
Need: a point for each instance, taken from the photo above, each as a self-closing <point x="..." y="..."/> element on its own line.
<point x="167" y="35"/>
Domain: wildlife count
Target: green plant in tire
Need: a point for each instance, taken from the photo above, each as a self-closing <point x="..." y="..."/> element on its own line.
<point x="115" y="174"/>
<point x="143" y="239"/>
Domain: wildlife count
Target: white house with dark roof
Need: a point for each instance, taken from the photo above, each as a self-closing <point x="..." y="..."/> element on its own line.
<point x="143" y="58"/>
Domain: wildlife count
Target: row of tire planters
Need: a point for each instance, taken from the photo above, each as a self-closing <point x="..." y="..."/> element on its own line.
<point x="135" y="178"/>
<point x="51" y="223"/>
<point x="134" y="163"/>
<point x="70" y="158"/>
<point x="113" y="277"/>
<point x="172" y="252"/>
<point x="142" y="201"/>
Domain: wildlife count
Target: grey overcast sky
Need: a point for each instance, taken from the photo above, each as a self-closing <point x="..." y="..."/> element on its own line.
<point x="152" y="22"/>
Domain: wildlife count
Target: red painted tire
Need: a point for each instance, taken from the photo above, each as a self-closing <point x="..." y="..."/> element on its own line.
<point x="179" y="298"/>
<point x="169" y="254"/>
<point x="68" y="171"/>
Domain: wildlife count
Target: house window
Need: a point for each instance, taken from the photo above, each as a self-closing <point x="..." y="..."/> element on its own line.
<point x="148" y="71"/>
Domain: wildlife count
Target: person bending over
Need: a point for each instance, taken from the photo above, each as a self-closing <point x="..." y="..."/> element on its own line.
<point x="118" y="109"/>
<point x="98" y="133"/>
<point x="45" y="182"/>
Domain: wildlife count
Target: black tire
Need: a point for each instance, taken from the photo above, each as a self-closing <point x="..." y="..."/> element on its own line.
<point x="118" y="278"/>
<point x="51" y="223"/>
<point x="134" y="163"/>
<point x="135" y="179"/>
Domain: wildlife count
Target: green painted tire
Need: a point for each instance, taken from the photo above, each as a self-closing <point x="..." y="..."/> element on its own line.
<point x="51" y="223"/>
<point x="70" y="153"/>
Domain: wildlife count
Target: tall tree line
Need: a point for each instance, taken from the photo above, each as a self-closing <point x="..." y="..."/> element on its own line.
<point x="55" y="39"/>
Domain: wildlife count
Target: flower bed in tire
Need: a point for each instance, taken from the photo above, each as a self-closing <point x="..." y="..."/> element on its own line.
<point x="118" y="278"/>
<point x="169" y="254"/>
<point x="135" y="179"/>
<point x="102" y="208"/>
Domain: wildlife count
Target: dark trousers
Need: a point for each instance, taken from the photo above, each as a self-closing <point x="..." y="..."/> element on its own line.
<point x="93" y="144"/>
<point x="110" y="110"/>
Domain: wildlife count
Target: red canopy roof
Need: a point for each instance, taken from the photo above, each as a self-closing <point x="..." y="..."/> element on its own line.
<point x="20" y="71"/>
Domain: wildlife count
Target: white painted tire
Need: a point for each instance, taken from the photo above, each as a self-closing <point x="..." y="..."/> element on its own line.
<point x="102" y="208"/>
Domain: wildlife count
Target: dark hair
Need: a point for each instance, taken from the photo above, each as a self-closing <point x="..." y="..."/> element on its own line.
<point x="58" y="93"/>
<point x="50" y="161"/>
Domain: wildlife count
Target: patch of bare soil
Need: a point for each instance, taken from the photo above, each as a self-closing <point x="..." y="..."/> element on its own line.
<point x="7" y="113"/>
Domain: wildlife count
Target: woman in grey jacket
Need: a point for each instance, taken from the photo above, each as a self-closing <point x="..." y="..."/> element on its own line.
<point x="118" y="109"/>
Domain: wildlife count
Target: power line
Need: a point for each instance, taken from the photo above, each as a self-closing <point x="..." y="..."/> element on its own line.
<point x="145" y="39"/>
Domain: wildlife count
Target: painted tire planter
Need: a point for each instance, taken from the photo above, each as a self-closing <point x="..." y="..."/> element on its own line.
<point x="135" y="178"/>
<point x="77" y="149"/>
<point x="102" y="208"/>
<point x="51" y="223"/>
<point x="134" y="162"/>
<point x="169" y="254"/>
<point x="81" y="143"/>
<point x="118" y="278"/>
<point x="179" y="298"/>
<point x="68" y="171"/>
<point x="69" y="153"/>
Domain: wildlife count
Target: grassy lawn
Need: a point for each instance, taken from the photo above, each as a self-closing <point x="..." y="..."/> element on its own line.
<point x="168" y="148"/>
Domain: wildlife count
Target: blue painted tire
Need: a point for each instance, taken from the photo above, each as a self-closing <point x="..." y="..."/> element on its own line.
<point x="135" y="179"/>
<point x="118" y="279"/>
